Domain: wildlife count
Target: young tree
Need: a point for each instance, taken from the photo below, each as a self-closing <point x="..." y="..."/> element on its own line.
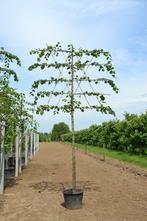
<point x="72" y="73"/>
<point x="7" y="94"/>
<point x="6" y="100"/>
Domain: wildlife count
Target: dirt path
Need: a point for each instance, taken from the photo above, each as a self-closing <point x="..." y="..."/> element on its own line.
<point x="111" y="194"/>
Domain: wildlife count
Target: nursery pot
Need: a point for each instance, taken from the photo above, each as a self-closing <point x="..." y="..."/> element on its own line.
<point x="73" y="199"/>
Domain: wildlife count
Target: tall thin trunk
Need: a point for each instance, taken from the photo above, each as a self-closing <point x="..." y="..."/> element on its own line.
<point x="73" y="130"/>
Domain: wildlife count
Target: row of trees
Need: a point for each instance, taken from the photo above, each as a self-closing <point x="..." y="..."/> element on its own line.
<point x="14" y="110"/>
<point x="75" y="68"/>
<point x="129" y="135"/>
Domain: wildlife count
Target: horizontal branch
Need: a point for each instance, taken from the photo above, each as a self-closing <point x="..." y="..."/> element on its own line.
<point x="42" y="94"/>
<point x="8" y="57"/>
<point x="67" y="108"/>
<point x="10" y="72"/>
<point x="80" y="79"/>
<point x="78" y="65"/>
<point x="57" y="49"/>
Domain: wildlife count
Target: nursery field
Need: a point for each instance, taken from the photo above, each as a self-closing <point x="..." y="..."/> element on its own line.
<point x="114" y="191"/>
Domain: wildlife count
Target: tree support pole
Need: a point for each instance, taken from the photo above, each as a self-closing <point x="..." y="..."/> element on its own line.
<point x="34" y="143"/>
<point x="2" y="158"/>
<point x="37" y="142"/>
<point x="26" y="148"/>
<point x="20" y="151"/>
<point x="17" y="152"/>
<point x="31" y="145"/>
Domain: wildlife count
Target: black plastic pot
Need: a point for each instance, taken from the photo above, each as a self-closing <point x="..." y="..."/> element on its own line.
<point x="73" y="199"/>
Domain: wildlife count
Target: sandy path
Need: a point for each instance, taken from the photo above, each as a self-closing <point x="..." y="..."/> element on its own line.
<point x="111" y="194"/>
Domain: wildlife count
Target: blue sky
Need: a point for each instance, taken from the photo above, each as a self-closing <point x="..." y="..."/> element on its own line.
<point x="118" y="26"/>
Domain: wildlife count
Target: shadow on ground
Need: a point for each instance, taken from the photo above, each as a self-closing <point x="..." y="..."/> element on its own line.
<point x="10" y="182"/>
<point x="56" y="187"/>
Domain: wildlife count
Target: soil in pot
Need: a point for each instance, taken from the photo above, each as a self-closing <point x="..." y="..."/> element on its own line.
<point x="73" y="199"/>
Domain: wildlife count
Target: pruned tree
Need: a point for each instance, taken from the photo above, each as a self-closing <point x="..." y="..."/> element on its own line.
<point x="73" y="72"/>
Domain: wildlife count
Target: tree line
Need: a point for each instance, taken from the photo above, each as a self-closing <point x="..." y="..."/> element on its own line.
<point x="15" y="111"/>
<point x="127" y="135"/>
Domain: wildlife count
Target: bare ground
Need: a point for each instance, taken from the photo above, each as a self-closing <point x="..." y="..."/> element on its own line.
<point x="112" y="192"/>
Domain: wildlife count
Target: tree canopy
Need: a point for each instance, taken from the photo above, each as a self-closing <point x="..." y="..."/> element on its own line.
<point x="68" y="61"/>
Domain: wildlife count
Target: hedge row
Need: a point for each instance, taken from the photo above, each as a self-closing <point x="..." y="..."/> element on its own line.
<point x="129" y="135"/>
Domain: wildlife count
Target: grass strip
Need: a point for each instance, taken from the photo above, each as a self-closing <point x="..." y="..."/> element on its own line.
<point x="138" y="160"/>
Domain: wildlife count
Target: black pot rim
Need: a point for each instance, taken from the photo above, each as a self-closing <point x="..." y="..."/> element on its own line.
<point x="71" y="192"/>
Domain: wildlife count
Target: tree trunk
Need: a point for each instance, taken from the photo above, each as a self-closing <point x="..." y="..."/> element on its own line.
<point x="73" y="154"/>
<point x="72" y="127"/>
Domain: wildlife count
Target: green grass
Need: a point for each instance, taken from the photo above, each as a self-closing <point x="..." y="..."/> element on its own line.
<point x="139" y="160"/>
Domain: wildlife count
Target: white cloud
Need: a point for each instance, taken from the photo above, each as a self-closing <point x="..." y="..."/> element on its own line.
<point x="34" y="23"/>
<point x="90" y="24"/>
<point x="141" y="40"/>
<point x="86" y="8"/>
<point x="31" y="24"/>
<point x="138" y="100"/>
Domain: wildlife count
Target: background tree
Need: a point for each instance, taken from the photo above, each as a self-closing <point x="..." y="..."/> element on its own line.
<point x="9" y="98"/>
<point x="58" y="130"/>
<point x="44" y="137"/>
<point x="127" y="135"/>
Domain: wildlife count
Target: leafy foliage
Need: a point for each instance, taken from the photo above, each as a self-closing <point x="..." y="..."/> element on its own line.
<point x="44" y="137"/>
<point x="6" y="72"/>
<point x="46" y="58"/>
<point x="128" y="135"/>
<point x="13" y="111"/>
<point x="58" y="130"/>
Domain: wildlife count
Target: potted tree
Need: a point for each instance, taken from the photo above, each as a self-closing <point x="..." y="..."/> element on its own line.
<point x="72" y="72"/>
<point x="7" y="97"/>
